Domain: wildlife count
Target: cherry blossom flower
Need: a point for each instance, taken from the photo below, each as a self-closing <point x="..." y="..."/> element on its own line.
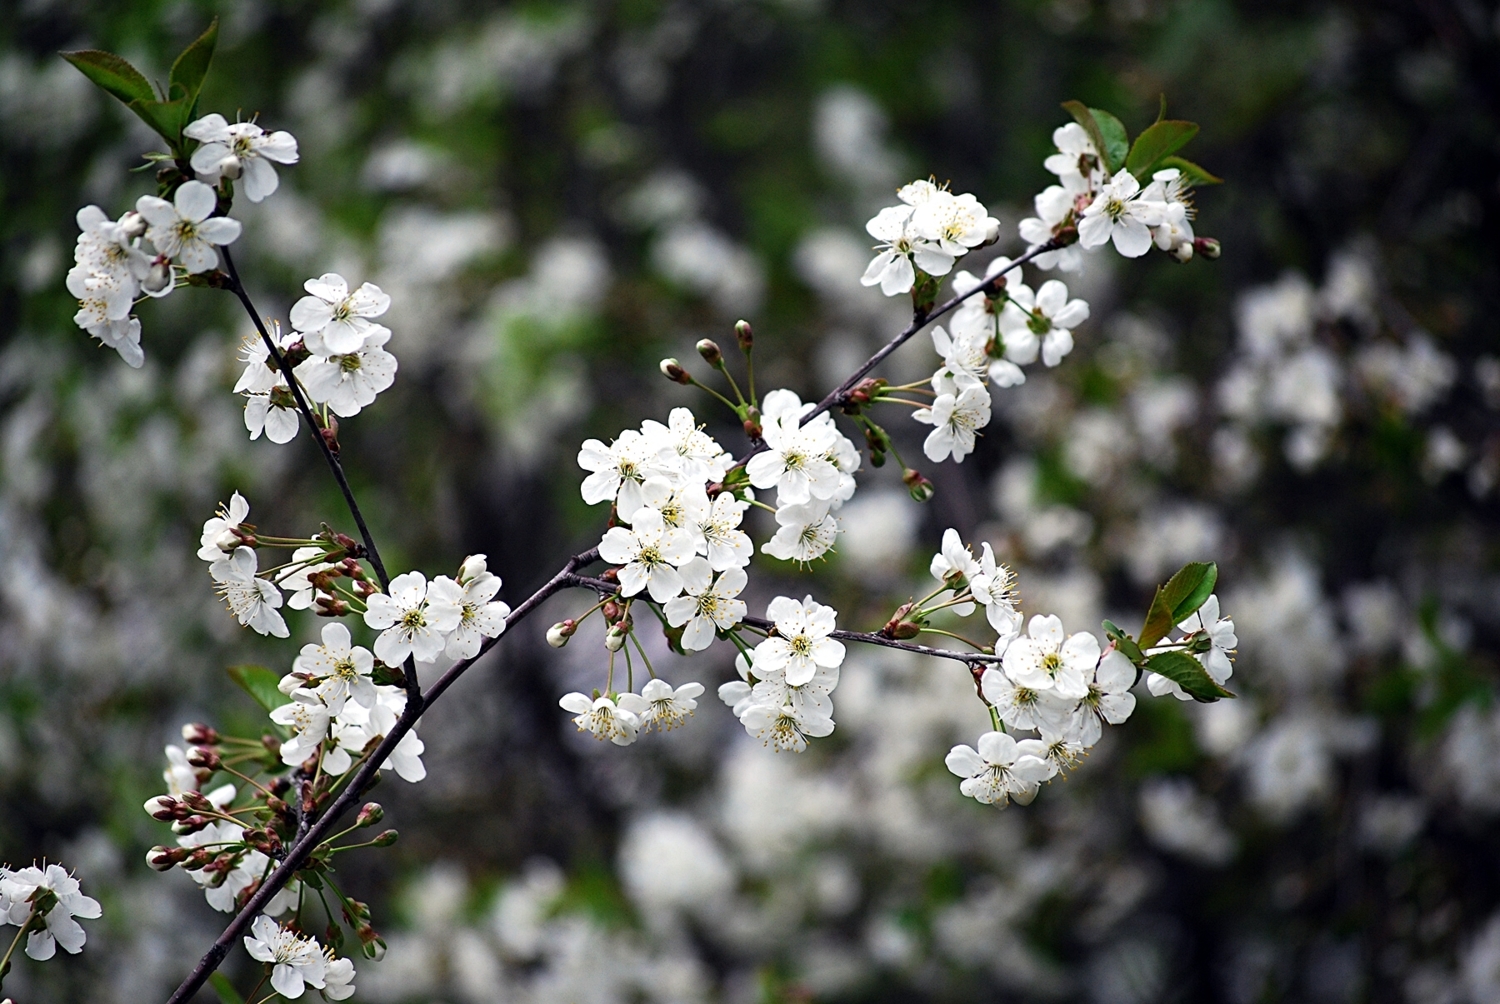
<point x="274" y="413"/>
<point x="816" y="694"/>
<point x="180" y="775"/>
<point x="340" y="670"/>
<point x="409" y="621"/>
<point x="955" y="223"/>
<point x="1076" y="162"/>
<point x="349" y="382"/>
<point x="954" y="564"/>
<point x="1109" y="698"/>
<point x="251" y="599"/>
<point x="667" y="708"/>
<point x="260" y="375"/>
<point x="960" y="410"/>
<point x="25" y="888"/>
<point x="649" y="554"/>
<point x="616" y="720"/>
<point x="795" y="462"/>
<point x="338" y="978"/>
<point x="786" y="729"/>
<point x="804" y="532"/>
<point x="307" y="716"/>
<point x="105" y="248"/>
<point x="296" y="962"/>
<point x="618" y="470"/>
<point x="700" y="459"/>
<point x="709" y="604"/>
<point x="1174" y="192"/>
<point x="1216" y="660"/>
<point x="681" y="508"/>
<point x="334" y="321"/>
<point x="1023" y="707"/>
<point x="1118" y="213"/>
<point x="182" y="229"/>
<point x="124" y="337"/>
<point x="297" y="580"/>
<point x="1047" y="314"/>
<point x="480" y="614"/>
<point x="218" y="537"/>
<point x="720" y="538"/>
<point x="995" y="589"/>
<point x="901" y="247"/>
<point x="963" y="351"/>
<point x="801" y="643"/>
<point x="1053" y="206"/>
<point x="1001" y="770"/>
<point x="240" y="150"/>
<point x="1044" y="660"/>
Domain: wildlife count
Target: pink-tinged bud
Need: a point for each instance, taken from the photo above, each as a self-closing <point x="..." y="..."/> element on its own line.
<point x="132" y="225"/>
<point x="559" y="633"/>
<point x="709" y="350"/>
<point x="192" y="824"/>
<point x="197" y="801"/>
<point x="745" y="335"/>
<point x="673" y="371"/>
<point x="204" y="756"/>
<point x="163" y="859"/>
<point x="1208" y="247"/>
<point x="371" y="814"/>
<point x="386" y="839"/>
<point x="373" y="945"/>
<point x="162" y="807"/>
<point x="920" y="488"/>
<point x="199" y="734"/>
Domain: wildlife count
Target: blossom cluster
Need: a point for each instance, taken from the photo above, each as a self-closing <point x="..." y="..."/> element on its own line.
<point x="46" y="903"/>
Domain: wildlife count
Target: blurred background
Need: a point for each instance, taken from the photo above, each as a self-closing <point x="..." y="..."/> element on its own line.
<point x="559" y="194"/>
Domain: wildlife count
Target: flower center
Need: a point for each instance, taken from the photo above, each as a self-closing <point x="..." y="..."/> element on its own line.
<point x="413" y="619"/>
<point x="802" y="646"/>
<point x="1115" y="208"/>
<point x="650" y="555"/>
<point x="1039" y="322"/>
<point x="344" y="670"/>
<point x="1052" y="662"/>
<point x="349" y="363"/>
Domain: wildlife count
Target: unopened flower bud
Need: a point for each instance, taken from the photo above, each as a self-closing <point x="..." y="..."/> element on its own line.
<point x="752" y="422"/>
<point x="196" y="801"/>
<point x="192" y="824"/>
<point x="709" y="350"/>
<point x="672" y="370"/>
<point x="371" y="814"/>
<point x="272" y="745"/>
<point x="386" y="839"/>
<point x="1183" y="252"/>
<point x="199" y="734"/>
<point x="205" y="757"/>
<point x="611" y="611"/>
<point x="162" y="807"/>
<point x="158" y="277"/>
<point x="229" y="167"/>
<point x="1208" y="247"/>
<point x="920" y="488"/>
<point x="745" y="335"/>
<point x="559" y="633"/>
<point x="372" y="944"/>
<point x="614" y="639"/>
<point x="163" y="859"/>
<point x="132" y="225"/>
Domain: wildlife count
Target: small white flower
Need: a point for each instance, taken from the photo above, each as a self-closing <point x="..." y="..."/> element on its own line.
<point x="102" y="297"/>
<point x="240" y="150"/>
<point x="682" y="508"/>
<point x="795" y="461"/>
<point x="1001" y="770"/>
<point x="406" y="758"/>
<point x="105" y="247"/>
<point x="648" y="554"/>
<point x="1053" y="205"/>
<point x="260" y="375"/>
<point x="124" y="337"/>
<point x="1047" y="315"/>
<point x="786" y="729"/>
<point x="409" y="623"/>
<point x="709" y="604"/>
<point x="1023" y="707"/>
<point x="617" y="471"/>
<point x="964" y="351"/>
<point x="667" y="708"/>
<point x="954" y="564"/>
<point x="338" y="978"/>
<point x="20" y="888"/>
<point x="1045" y="660"/>
<point x="801" y="643"/>
<point x="297" y="962"/>
<point x="298" y="579"/>
<point x="1174" y="192"/>
<point x="480" y="614"/>
<point x="700" y="458"/>
<point x="334" y="321"/>
<point x="1118" y="213"/>
<point x="901" y="246"/>
<point x="955" y="223"/>
<point x="180" y="775"/>
<point x="1109" y="698"/>
<point x="340" y="668"/>
<point x="720" y="538"/>
<point x="804" y="532"/>
<point x="182" y="229"/>
<point x="1076" y="162"/>
<point x="308" y="717"/>
<point x="960" y="410"/>
<point x="1216" y="660"/>
<point x="995" y="589"/>
<point x="275" y="414"/>
<point x="218" y="538"/>
<point x="349" y="382"/>
<point x="251" y="599"/>
<point x="616" y="720"/>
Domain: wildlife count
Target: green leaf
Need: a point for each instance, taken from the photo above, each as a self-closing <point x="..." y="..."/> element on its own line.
<point x="1124" y="643"/>
<point x="191" y="67"/>
<point x="1160" y="140"/>
<point x="1188" y="673"/>
<point x="260" y="683"/>
<point x="1176" y="601"/>
<point x="166" y="117"/>
<point x="1085" y="117"/>
<point x="1192" y="172"/>
<point x="1116" y="140"/>
<point x="225" y="989"/>
<point x="113" y="74"/>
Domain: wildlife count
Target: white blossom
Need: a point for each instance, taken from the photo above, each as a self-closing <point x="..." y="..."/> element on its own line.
<point x="183" y="228"/>
<point x="804" y="532"/>
<point x="786" y="729"/>
<point x="1044" y="659"/>
<point x="218" y="537"/>
<point x="719" y="535"/>
<point x="297" y="580"/>
<point x="124" y="337"/>
<point x="334" y="321"/>
<point x="1076" y="163"/>
<point x="900" y="246"/>
<point x="955" y="223"/>
<point x="260" y="375"/>
<point x="616" y="720"/>
<point x="700" y="459"/>
<point x="251" y="599"/>
<point x="1174" y="192"/>
<point x="648" y="554"/>
<point x="340" y="670"/>
<point x="795" y="461"/>
<point x="1023" y="707"/>
<point x="1001" y="769"/>
<point x="307" y="717"/>
<point x="1047" y="315"/>
<point x="1222" y="642"/>
<point x="1118" y="213"/>
<point x="617" y="471"/>
<point x="480" y="614"/>
<point x="349" y="382"/>
<point x="297" y="962"/>
<point x="667" y="708"/>
<point x="275" y="414"/>
<point x="409" y="621"/>
<point x="1053" y="205"/>
<point x="19" y="891"/>
<point x="1108" y="698"/>
<point x="995" y="589"/>
<point x="801" y="643"/>
<point x="338" y="978"/>
<point x="240" y="150"/>
<point x="708" y="605"/>
<point x="960" y="410"/>
<point x="682" y="508"/>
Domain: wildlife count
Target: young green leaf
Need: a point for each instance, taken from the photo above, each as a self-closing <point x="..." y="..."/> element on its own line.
<point x="1116" y="139"/>
<point x="1192" y="172"/>
<point x="1188" y="673"/>
<point x="1084" y="117"/>
<point x="225" y="989"/>
<point x="1124" y="643"/>
<point x="191" y="67"/>
<point x="166" y="117"/>
<point x="1174" y="602"/>
<point x="1160" y="140"/>
<point x="260" y="683"/>
<point x="113" y="74"/>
